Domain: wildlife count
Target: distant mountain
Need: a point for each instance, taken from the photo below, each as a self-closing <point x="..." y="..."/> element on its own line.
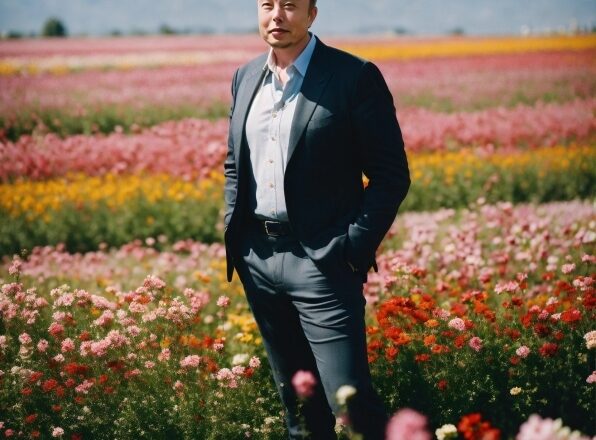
<point x="97" y="17"/>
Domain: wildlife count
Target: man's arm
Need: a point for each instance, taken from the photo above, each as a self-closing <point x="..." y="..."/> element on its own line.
<point x="385" y="164"/>
<point x="230" y="172"/>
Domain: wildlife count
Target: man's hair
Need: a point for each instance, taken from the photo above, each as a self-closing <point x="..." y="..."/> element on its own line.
<point x="313" y="3"/>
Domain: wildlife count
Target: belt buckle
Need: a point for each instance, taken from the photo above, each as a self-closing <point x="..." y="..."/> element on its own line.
<point x="270" y="233"/>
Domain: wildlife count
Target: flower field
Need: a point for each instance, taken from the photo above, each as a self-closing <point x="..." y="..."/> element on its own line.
<point x="116" y="320"/>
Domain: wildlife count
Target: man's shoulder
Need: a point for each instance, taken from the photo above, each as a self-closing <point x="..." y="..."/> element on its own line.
<point x="341" y="57"/>
<point x="254" y="65"/>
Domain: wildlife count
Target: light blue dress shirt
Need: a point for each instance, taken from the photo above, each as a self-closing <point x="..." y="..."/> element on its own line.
<point x="268" y="134"/>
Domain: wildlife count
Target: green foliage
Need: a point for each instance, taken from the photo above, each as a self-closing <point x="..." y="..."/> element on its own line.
<point x="53" y="27"/>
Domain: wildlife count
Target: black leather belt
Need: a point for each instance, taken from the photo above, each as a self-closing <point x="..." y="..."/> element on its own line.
<point x="273" y="228"/>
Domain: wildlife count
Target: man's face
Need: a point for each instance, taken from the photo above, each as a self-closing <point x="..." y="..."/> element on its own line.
<point x="285" y="23"/>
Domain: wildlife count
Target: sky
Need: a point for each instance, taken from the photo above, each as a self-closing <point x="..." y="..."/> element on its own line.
<point x="336" y="17"/>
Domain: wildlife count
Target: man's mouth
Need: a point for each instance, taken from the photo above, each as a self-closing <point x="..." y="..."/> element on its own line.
<point x="277" y="31"/>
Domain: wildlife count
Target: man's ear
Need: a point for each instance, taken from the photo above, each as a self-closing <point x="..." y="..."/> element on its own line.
<point x="312" y="15"/>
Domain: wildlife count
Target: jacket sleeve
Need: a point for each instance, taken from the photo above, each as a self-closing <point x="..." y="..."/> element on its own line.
<point x="380" y="143"/>
<point x="230" y="172"/>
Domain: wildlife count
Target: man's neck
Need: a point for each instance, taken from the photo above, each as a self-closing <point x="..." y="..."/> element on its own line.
<point x="284" y="57"/>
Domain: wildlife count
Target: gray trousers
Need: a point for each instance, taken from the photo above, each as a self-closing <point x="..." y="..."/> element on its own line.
<point x="310" y="321"/>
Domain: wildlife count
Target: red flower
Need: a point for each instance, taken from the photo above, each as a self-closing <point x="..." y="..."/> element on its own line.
<point x="472" y="427"/>
<point x="514" y="360"/>
<point x="442" y="384"/>
<point x="35" y="376"/>
<point x="572" y="315"/>
<point x="59" y="391"/>
<point x="459" y="341"/>
<point x="26" y="391"/>
<point x="56" y="408"/>
<point x="73" y="368"/>
<point x="514" y="334"/>
<point x="31" y="418"/>
<point x="422" y="357"/>
<point x="541" y="329"/>
<point x="76" y="436"/>
<point x="548" y="349"/>
<point x="49" y="385"/>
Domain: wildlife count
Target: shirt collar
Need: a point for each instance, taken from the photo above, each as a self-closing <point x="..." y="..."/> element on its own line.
<point x="301" y="63"/>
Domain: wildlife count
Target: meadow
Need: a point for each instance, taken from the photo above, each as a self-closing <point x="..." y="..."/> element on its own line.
<point x="117" y="321"/>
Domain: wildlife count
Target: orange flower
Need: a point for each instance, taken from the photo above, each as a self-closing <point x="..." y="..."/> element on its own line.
<point x="438" y="349"/>
<point x="431" y="323"/>
<point x="429" y="340"/>
<point x="391" y="353"/>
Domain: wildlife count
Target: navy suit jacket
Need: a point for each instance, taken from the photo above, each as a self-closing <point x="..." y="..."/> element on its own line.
<point x="344" y="125"/>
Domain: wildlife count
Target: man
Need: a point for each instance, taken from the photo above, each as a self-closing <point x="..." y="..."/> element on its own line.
<point x="307" y="121"/>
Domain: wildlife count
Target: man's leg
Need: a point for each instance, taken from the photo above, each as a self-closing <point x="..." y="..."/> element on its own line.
<point x="331" y="309"/>
<point x="287" y="348"/>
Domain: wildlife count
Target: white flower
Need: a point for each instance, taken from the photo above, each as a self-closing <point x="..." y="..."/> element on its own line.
<point x="446" y="432"/>
<point x="240" y="358"/>
<point x="515" y="391"/>
<point x="344" y="393"/>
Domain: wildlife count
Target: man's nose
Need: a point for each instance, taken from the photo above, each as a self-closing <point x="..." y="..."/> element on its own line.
<point x="278" y="14"/>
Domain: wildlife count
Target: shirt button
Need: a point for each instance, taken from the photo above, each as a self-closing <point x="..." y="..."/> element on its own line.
<point x="274" y="115"/>
<point x="272" y="138"/>
<point x="271" y="185"/>
<point x="270" y="160"/>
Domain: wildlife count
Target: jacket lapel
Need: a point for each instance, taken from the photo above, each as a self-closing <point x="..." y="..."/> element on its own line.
<point x="247" y="92"/>
<point x="315" y="80"/>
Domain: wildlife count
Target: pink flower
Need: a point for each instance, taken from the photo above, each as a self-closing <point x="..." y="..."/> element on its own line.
<point x="164" y="355"/>
<point x="15" y="267"/>
<point x="304" y="383"/>
<point x="149" y="364"/>
<point x="84" y="387"/>
<point x="407" y="424"/>
<point x="55" y="329"/>
<point x="522" y="351"/>
<point x="192" y="361"/>
<point x="254" y="362"/>
<point x="178" y="386"/>
<point x="223" y="301"/>
<point x="57" y="432"/>
<point x="3" y="342"/>
<point x="42" y="345"/>
<point x="238" y="370"/>
<point x="153" y="282"/>
<point x="508" y="286"/>
<point x="68" y="345"/>
<point x="568" y="268"/>
<point x="25" y="339"/>
<point x="592" y="377"/>
<point x="224" y="374"/>
<point x="476" y="343"/>
<point x="457" y="324"/>
<point x="9" y="433"/>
